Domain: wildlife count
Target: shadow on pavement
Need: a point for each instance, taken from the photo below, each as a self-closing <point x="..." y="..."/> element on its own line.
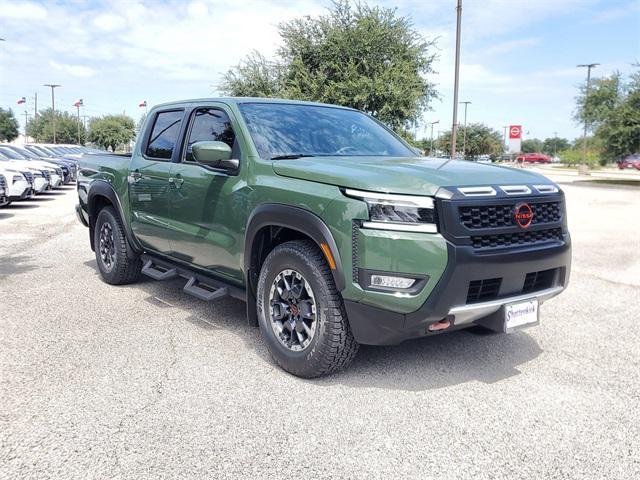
<point x="12" y="265"/>
<point x="22" y="205"/>
<point x="423" y="364"/>
<point x="5" y="215"/>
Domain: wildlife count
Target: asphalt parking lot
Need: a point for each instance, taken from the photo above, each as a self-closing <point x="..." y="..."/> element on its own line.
<point x="144" y="382"/>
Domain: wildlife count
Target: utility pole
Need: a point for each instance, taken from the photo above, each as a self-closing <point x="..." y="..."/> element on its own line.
<point x="79" y="104"/>
<point x="555" y="143"/>
<point x="588" y="66"/>
<point x="504" y="141"/>
<point x="431" y="147"/>
<point x="464" y="135"/>
<point x="454" y="126"/>
<point x="84" y="120"/>
<point x="35" y="103"/>
<point x="53" y="86"/>
<point x="26" y="121"/>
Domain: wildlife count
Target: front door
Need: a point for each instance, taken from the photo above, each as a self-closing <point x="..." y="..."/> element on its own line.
<point x="205" y="202"/>
<point x="149" y="186"/>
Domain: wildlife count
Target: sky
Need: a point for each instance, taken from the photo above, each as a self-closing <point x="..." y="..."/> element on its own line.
<point x="518" y="57"/>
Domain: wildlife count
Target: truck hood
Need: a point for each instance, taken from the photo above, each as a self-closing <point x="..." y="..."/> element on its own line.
<point x="413" y="176"/>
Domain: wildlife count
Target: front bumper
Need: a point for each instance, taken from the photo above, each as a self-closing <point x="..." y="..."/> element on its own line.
<point x="448" y="300"/>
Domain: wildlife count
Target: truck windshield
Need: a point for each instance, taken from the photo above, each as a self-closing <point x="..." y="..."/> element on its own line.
<point x="290" y="131"/>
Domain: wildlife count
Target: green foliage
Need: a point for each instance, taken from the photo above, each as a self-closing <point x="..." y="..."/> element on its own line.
<point x="112" y="131"/>
<point x="613" y="112"/>
<point x="41" y="128"/>
<point x="355" y="55"/>
<point x="573" y="156"/>
<point x="532" y="145"/>
<point x="481" y="140"/>
<point x="8" y="125"/>
<point x="553" y="145"/>
<point x="255" y="76"/>
<point x="621" y="132"/>
<point x="604" y="95"/>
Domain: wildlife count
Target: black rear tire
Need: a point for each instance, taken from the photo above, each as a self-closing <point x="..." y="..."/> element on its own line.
<point x="331" y="346"/>
<point x="117" y="265"/>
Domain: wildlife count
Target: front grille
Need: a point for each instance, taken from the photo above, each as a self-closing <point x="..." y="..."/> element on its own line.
<point x="483" y="290"/>
<point x="536" y="281"/>
<point x="502" y="240"/>
<point x="497" y="216"/>
<point x="3" y="183"/>
<point x="29" y="177"/>
<point x="46" y="174"/>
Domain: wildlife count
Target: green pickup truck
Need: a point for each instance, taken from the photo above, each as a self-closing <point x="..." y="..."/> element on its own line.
<point x="329" y="226"/>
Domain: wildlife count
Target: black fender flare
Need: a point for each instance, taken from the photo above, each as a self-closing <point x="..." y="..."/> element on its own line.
<point x="294" y="218"/>
<point x="102" y="188"/>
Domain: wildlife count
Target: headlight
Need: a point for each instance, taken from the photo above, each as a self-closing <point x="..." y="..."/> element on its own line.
<point x="406" y="213"/>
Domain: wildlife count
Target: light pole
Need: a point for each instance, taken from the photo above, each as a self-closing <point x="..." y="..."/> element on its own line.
<point x="53" y="87"/>
<point x="454" y="127"/>
<point x="588" y="66"/>
<point x="79" y="104"/>
<point x="464" y="135"/>
<point x="26" y="122"/>
<point x="555" y="143"/>
<point x="431" y="146"/>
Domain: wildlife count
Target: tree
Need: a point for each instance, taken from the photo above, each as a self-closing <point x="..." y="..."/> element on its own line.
<point x="553" y="145"/>
<point x="8" y="125"/>
<point x="481" y="140"/>
<point x="358" y="56"/>
<point x="41" y="128"/>
<point x="112" y="131"/>
<point x="613" y="110"/>
<point x="604" y="95"/>
<point x="531" y="145"/>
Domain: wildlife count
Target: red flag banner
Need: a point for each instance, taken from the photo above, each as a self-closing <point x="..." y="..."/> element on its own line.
<point x="143" y="103"/>
<point x="21" y="101"/>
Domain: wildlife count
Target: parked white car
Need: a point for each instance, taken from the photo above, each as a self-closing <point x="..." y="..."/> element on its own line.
<point x="4" y="200"/>
<point x="17" y="185"/>
<point x="52" y="173"/>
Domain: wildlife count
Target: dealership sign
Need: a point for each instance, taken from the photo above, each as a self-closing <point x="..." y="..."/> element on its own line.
<point x="515" y="138"/>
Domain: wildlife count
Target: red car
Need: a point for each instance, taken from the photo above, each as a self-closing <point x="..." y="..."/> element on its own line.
<point x="632" y="161"/>
<point x="534" y="158"/>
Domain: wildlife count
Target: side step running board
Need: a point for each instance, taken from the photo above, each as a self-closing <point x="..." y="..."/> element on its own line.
<point x="200" y="286"/>
<point x="203" y="291"/>
<point x="158" y="273"/>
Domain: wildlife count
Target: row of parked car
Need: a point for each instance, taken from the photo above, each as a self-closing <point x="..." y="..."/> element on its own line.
<point x="27" y="170"/>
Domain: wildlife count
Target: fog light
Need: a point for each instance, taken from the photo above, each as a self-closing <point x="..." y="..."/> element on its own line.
<point x="386" y="281"/>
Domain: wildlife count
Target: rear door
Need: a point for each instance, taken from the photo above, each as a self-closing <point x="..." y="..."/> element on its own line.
<point x="206" y="203"/>
<point x="149" y="174"/>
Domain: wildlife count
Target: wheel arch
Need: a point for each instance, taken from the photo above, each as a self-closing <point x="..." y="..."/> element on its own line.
<point x="272" y="219"/>
<point x="100" y="195"/>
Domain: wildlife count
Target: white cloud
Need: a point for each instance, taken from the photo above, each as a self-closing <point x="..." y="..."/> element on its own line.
<point x="108" y="22"/>
<point x="73" y="70"/>
<point x="519" y="44"/>
<point x="22" y="11"/>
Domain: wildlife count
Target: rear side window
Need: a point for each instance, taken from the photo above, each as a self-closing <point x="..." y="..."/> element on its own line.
<point x="210" y="124"/>
<point x="164" y="135"/>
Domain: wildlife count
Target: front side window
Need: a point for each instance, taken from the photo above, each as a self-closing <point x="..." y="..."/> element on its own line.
<point x="209" y="125"/>
<point x="281" y="130"/>
<point x="164" y="135"/>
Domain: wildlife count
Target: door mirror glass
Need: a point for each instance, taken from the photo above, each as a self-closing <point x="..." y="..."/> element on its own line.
<point x="214" y="154"/>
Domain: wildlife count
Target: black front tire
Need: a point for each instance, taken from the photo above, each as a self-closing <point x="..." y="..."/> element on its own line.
<point x="120" y="266"/>
<point x="332" y="346"/>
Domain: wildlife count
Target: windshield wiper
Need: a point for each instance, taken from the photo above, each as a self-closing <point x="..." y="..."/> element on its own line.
<point x="292" y="156"/>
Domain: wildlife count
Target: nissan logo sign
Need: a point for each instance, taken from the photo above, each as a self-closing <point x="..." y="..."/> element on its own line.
<point x="523" y="215"/>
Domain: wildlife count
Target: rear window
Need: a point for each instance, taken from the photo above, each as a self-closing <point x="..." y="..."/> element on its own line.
<point x="164" y="135"/>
